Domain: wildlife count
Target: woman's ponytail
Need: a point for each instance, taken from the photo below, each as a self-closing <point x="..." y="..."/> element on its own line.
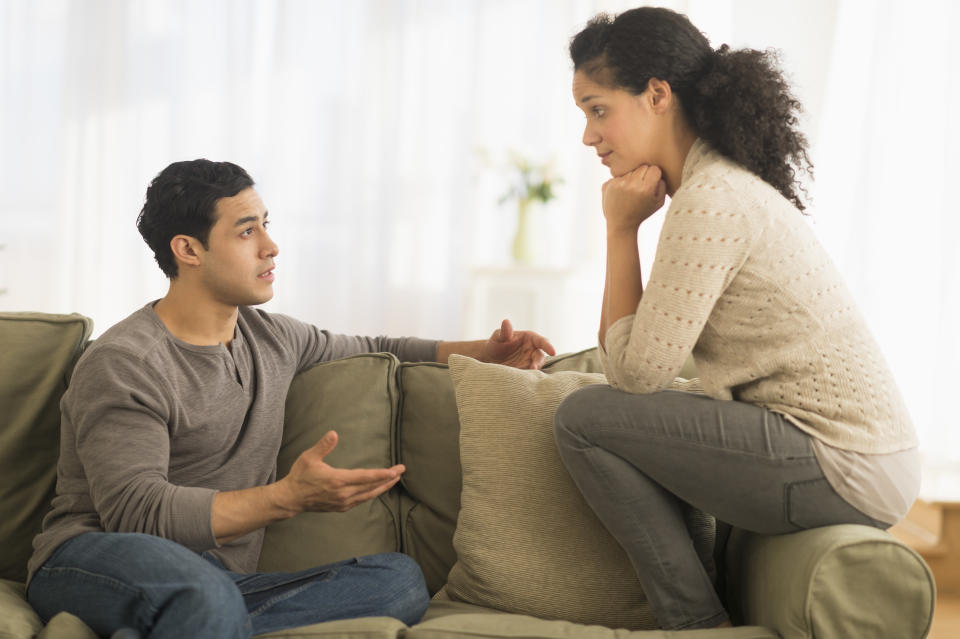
<point x="743" y="106"/>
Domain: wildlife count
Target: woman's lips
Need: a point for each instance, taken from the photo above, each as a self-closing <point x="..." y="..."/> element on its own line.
<point x="605" y="156"/>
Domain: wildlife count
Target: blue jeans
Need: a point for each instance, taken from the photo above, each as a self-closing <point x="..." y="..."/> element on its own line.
<point x="641" y="462"/>
<point x="161" y="589"/>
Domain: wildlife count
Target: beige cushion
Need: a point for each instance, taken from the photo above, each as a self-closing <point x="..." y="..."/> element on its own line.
<point x="429" y="433"/>
<point x="526" y="540"/>
<point x="38" y="353"/>
<point x="357" y="397"/>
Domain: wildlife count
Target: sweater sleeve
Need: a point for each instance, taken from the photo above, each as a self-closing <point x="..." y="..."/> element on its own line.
<point x="704" y="241"/>
<point x="119" y="413"/>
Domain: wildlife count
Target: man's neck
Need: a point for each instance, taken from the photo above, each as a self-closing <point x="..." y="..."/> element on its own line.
<point x="196" y="319"/>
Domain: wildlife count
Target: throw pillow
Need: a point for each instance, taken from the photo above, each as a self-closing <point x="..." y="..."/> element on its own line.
<point x="526" y="540"/>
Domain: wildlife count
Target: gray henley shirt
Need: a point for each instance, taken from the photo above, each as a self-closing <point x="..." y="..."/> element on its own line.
<point x="152" y="427"/>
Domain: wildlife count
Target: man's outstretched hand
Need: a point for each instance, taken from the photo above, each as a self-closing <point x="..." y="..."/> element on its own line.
<point x="316" y="486"/>
<point x="520" y="349"/>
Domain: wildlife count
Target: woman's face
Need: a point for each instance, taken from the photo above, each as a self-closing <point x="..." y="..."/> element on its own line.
<point x="621" y="126"/>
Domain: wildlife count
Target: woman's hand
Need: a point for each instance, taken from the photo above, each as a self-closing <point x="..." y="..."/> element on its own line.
<point x="633" y="197"/>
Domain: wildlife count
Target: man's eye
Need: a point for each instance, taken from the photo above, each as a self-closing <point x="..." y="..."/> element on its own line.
<point x="266" y="223"/>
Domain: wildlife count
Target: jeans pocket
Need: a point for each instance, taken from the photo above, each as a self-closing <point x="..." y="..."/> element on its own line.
<point x="812" y="503"/>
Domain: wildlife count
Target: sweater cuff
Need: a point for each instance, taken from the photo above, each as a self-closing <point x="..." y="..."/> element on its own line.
<point x="190" y="518"/>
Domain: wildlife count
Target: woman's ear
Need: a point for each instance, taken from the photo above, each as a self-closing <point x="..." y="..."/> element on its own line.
<point x="185" y="250"/>
<point x="660" y="95"/>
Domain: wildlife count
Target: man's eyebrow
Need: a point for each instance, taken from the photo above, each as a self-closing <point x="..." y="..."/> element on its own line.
<point x="251" y="218"/>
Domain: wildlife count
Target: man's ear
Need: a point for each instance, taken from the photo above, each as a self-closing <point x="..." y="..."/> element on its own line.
<point x="660" y="95"/>
<point x="186" y="250"/>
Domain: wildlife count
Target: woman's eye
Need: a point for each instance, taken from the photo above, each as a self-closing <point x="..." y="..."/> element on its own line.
<point x="598" y="112"/>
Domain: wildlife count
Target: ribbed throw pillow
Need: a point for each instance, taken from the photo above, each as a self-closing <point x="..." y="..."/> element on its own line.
<point x="526" y="540"/>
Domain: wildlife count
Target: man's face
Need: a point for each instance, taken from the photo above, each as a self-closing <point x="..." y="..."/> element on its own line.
<point x="237" y="266"/>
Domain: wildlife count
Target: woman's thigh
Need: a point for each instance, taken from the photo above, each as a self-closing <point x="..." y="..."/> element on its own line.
<point x="744" y="464"/>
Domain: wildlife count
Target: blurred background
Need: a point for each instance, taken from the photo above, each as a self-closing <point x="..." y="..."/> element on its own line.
<point x="391" y="141"/>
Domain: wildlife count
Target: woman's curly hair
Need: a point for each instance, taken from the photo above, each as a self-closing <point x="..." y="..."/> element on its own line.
<point x="737" y="100"/>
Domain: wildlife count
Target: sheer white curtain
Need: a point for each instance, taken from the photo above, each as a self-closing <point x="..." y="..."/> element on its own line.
<point x="366" y="124"/>
<point x="363" y="123"/>
<point x="885" y="201"/>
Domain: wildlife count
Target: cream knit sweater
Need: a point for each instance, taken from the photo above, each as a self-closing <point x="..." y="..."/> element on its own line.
<point x="740" y="279"/>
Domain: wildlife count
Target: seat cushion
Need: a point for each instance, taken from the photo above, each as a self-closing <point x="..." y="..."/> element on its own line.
<point x="39" y="351"/>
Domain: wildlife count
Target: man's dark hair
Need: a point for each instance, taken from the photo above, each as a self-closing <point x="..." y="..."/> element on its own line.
<point x="182" y="200"/>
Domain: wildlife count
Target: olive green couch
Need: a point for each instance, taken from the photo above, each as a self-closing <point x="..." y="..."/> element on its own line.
<point x="833" y="582"/>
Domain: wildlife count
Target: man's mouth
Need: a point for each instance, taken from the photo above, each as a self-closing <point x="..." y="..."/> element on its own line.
<point x="266" y="275"/>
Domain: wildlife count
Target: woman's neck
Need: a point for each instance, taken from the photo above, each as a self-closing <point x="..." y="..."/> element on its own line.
<point x="676" y="156"/>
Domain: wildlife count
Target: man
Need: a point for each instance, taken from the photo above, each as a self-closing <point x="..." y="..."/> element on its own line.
<point x="170" y="431"/>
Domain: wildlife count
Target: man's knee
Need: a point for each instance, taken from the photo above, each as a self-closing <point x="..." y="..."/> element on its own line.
<point x="404" y="593"/>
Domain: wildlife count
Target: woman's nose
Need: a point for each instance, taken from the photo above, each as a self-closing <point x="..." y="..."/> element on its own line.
<point x="590" y="137"/>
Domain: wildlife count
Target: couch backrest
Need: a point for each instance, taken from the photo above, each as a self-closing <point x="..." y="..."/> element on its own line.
<point x="373" y="400"/>
<point x="385" y="412"/>
<point x="37" y="354"/>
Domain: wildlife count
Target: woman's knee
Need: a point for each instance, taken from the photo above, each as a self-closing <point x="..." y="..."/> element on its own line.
<point x="576" y="412"/>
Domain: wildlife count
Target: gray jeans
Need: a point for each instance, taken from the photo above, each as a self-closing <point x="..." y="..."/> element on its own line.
<point x="641" y="462"/>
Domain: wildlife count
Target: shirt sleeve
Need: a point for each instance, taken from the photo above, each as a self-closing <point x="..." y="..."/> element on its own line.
<point x="119" y="412"/>
<point x="703" y="244"/>
<point x="315" y="345"/>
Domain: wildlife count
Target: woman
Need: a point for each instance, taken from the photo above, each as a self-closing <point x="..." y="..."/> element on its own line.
<point x="802" y="424"/>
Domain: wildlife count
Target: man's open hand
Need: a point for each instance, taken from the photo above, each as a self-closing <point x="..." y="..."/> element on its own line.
<point x="520" y="349"/>
<point x="314" y="485"/>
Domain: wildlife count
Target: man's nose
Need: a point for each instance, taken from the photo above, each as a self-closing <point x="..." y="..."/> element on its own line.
<point x="271" y="249"/>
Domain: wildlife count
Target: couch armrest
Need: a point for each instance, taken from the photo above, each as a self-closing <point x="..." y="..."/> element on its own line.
<point x="17" y="618"/>
<point x="835" y="581"/>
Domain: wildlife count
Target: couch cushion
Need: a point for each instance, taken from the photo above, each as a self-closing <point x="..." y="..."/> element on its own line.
<point x="356" y="396"/>
<point x="39" y="351"/>
<point x="429" y="434"/>
<point x="17" y="618"/>
<point x="363" y="628"/>
<point x="526" y="540"/>
<point x="453" y="620"/>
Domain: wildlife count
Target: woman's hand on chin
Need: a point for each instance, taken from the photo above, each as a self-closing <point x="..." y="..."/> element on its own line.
<point x="633" y="197"/>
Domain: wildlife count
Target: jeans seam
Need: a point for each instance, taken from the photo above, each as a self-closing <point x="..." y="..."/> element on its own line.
<point x="283" y="596"/>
